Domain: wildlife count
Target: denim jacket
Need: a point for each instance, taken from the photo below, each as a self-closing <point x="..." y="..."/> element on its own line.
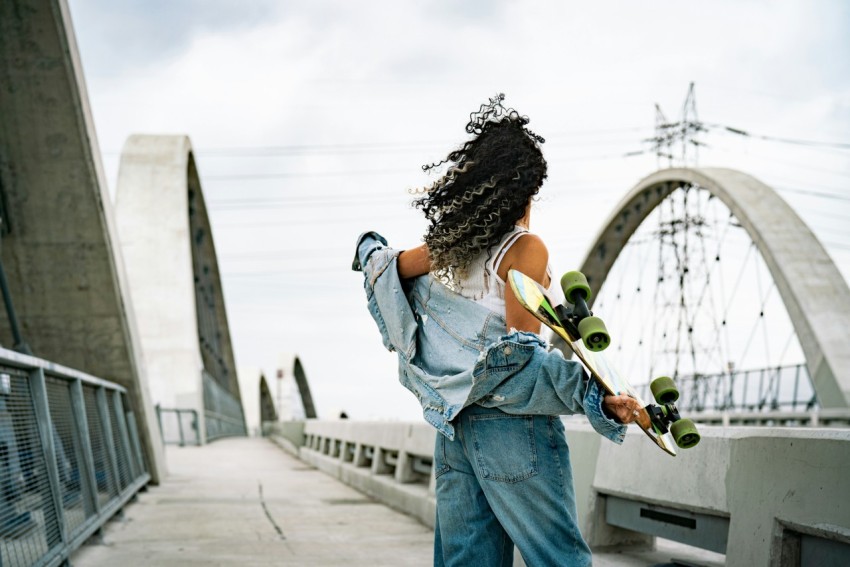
<point x="453" y="352"/>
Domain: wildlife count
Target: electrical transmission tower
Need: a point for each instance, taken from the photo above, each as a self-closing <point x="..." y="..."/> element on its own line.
<point x="693" y="296"/>
<point x="680" y="135"/>
<point x="679" y="231"/>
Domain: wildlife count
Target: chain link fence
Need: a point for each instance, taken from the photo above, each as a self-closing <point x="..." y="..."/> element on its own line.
<point x="70" y="458"/>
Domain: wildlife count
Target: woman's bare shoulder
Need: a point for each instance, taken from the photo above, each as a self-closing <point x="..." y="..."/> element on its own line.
<point x="530" y="242"/>
<point x="529" y="255"/>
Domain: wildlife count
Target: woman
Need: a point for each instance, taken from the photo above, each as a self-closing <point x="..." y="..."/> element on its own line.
<point x="504" y="479"/>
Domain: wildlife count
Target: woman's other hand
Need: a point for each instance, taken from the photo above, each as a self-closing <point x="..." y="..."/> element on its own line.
<point x="621" y="408"/>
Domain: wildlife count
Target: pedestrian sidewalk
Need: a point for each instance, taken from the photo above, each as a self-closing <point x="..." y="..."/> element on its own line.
<point x="246" y="502"/>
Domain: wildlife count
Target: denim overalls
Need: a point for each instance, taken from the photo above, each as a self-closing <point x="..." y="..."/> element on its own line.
<point x="501" y="461"/>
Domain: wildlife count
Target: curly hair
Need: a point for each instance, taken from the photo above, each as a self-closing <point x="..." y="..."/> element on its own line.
<point x="485" y="190"/>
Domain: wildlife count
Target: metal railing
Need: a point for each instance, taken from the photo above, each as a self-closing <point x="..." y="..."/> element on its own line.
<point x="819" y="417"/>
<point x="783" y="389"/>
<point x="178" y="426"/>
<point x="70" y="457"/>
<point x="223" y="415"/>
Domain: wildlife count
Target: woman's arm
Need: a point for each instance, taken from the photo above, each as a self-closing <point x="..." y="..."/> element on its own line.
<point x="414" y="262"/>
<point x="530" y="256"/>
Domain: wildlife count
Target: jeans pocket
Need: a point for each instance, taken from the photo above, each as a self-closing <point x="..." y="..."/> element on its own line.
<point x="504" y="447"/>
<point x="441" y="465"/>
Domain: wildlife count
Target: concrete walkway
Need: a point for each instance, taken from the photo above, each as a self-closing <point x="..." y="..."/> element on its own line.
<point x="247" y="502"/>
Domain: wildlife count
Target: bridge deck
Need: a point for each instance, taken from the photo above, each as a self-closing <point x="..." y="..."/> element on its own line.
<point x="246" y="502"/>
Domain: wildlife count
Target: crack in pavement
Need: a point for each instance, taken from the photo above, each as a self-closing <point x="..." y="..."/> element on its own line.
<point x="269" y="514"/>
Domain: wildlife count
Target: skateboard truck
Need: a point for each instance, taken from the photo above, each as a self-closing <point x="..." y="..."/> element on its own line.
<point x="571" y="316"/>
<point x="665" y="416"/>
<point x="662" y="416"/>
<point x="577" y="317"/>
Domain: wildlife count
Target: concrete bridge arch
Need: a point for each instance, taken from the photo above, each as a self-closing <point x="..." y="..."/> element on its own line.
<point x="298" y="396"/>
<point x="173" y="271"/>
<point x="60" y="247"/>
<point x="814" y="292"/>
<point x="258" y="399"/>
<point x="268" y="411"/>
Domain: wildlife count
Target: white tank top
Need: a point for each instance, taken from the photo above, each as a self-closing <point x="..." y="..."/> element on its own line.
<point x="482" y="283"/>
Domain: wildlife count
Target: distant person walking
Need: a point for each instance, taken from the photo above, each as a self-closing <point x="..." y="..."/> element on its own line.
<point x="474" y="358"/>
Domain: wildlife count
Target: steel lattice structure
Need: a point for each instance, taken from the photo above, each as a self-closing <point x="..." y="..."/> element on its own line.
<point x="811" y="288"/>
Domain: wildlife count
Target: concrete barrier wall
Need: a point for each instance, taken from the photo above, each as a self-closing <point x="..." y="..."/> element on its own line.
<point x="762" y="481"/>
<point x="751" y="492"/>
<point x="391" y="462"/>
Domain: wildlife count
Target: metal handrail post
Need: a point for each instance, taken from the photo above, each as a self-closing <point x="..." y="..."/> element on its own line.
<point x="134" y="441"/>
<point x="180" y="429"/>
<point x="195" y="427"/>
<point x="86" y="457"/>
<point x="38" y="390"/>
<point x="108" y="438"/>
<point x="124" y="438"/>
<point x="159" y="421"/>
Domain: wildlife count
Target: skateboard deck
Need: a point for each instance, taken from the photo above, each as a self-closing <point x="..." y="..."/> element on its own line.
<point x="535" y="298"/>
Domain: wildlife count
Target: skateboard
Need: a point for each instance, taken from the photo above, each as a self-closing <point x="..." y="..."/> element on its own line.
<point x="587" y="337"/>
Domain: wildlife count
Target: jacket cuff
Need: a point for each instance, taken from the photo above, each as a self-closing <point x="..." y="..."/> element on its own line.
<point x="367" y="243"/>
<point x="603" y="425"/>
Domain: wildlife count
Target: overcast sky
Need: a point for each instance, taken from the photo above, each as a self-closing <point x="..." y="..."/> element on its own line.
<point x="310" y="122"/>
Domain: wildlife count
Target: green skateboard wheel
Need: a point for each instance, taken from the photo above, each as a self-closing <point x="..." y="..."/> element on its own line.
<point x="571" y="282"/>
<point x="594" y="334"/>
<point x="685" y="433"/>
<point x="664" y="390"/>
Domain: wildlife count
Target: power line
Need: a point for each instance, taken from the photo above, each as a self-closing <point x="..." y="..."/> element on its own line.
<point x="667" y="134"/>
<point x="357" y="197"/>
<point x="672" y="131"/>
<point x="825" y="214"/>
<point x="349" y="202"/>
<point x="303" y="174"/>
<point x="382" y="172"/>
<point x="282" y="204"/>
<point x="271" y="151"/>
<point x="371" y="200"/>
<point x="320" y="221"/>
<point x="838" y="245"/>
<point x="356" y="147"/>
<point x="793" y="141"/>
<point x="782" y="161"/>
<point x="813" y="193"/>
<point x="832" y="231"/>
